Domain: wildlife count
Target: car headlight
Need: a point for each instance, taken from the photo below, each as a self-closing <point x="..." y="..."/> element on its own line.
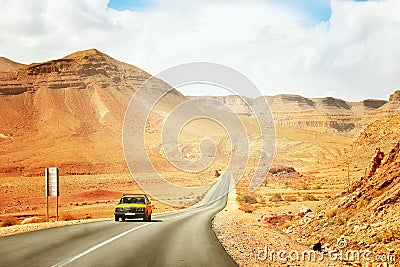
<point x="140" y="209"/>
<point x="119" y="209"/>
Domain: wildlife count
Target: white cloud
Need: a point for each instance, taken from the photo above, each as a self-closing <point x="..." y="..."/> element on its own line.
<point x="354" y="55"/>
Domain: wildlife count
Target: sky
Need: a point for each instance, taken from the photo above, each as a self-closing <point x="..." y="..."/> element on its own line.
<point x="315" y="48"/>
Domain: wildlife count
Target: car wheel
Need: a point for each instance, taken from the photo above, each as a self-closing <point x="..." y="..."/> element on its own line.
<point x="116" y="218"/>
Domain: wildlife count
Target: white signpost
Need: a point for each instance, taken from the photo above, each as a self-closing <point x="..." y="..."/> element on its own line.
<point x="52" y="188"/>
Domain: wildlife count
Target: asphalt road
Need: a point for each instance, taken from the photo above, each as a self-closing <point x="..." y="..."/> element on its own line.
<point x="182" y="238"/>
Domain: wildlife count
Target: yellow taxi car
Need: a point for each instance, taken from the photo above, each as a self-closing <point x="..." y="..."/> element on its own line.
<point x="133" y="206"/>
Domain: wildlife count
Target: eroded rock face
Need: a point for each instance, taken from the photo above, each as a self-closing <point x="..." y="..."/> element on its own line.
<point x="319" y="113"/>
<point x="395" y="96"/>
<point x="373" y="104"/>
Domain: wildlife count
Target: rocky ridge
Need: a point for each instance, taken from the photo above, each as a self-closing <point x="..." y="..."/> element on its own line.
<point x="366" y="213"/>
<point x="322" y="114"/>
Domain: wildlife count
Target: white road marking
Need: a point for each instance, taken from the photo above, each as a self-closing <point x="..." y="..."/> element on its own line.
<point x="69" y="260"/>
<point x="185" y="213"/>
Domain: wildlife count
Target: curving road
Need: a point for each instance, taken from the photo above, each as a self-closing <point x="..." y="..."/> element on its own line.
<point x="182" y="238"/>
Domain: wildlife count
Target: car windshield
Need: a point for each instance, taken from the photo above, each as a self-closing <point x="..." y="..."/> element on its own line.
<point x="128" y="200"/>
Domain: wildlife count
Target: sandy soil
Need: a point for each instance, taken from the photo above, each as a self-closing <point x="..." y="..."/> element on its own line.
<point x="252" y="242"/>
<point x="81" y="197"/>
<point x="244" y="236"/>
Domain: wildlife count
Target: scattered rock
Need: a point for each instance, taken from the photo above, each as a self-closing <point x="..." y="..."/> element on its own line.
<point x="317" y="247"/>
<point x="304" y="210"/>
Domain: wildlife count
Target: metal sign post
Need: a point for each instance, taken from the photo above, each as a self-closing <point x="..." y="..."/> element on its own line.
<point x="52" y="185"/>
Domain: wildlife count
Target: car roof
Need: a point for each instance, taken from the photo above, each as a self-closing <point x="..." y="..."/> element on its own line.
<point x="135" y="195"/>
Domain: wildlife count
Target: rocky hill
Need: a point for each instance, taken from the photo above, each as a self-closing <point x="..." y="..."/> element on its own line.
<point x="383" y="134"/>
<point x="9" y="65"/>
<point x="366" y="213"/>
<point x="66" y="112"/>
<point x="322" y="114"/>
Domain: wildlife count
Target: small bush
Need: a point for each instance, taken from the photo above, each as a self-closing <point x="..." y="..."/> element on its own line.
<point x="8" y="221"/>
<point x="249" y="199"/>
<point x="248" y="208"/>
<point x="362" y="203"/>
<point x="332" y="212"/>
<point x="390" y="235"/>
<point x="286" y="224"/>
<point x="290" y="198"/>
<point x="276" y="198"/>
<point x="309" y="197"/>
<point x="378" y="239"/>
<point x="332" y="222"/>
<point x="288" y="184"/>
<point x="304" y="187"/>
<point x="66" y="217"/>
<point x="340" y="221"/>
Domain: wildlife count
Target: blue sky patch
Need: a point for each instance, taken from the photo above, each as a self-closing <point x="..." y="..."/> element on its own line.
<point x="315" y="10"/>
<point x="122" y="5"/>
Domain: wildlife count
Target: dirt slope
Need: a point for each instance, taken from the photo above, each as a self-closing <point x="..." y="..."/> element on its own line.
<point x="9" y="65"/>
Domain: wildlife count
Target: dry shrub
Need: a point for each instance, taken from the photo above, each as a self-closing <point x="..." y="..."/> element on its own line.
<point x="32" y="220"/>
<point x="318" y="187"/>
<point x="291" y="198"/>
<point x="276" y="198"/>
<point x="309" y="197"/>
<point x="249" y="199"/>
<point x="340" y="221"/>
<point x="332" y="212"/>
<point x="8" y="221"/>
<point x="378" y="239"/>
<point x="362" y="203"/>
<point x="66" y="216"/>
<point x="286" y="224"/>
<point x="304" y="187"/>
<point x="390" y="235"/>
<point x="248" y="208"/>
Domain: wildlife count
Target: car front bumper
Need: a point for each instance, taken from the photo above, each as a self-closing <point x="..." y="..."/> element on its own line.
<point x="130" y="215"/>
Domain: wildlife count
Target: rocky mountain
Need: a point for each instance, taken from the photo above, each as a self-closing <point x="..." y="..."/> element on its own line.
<point x="322" y="114"/>
<point x="382" y="134"/>
<point x="66" y="112"/>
